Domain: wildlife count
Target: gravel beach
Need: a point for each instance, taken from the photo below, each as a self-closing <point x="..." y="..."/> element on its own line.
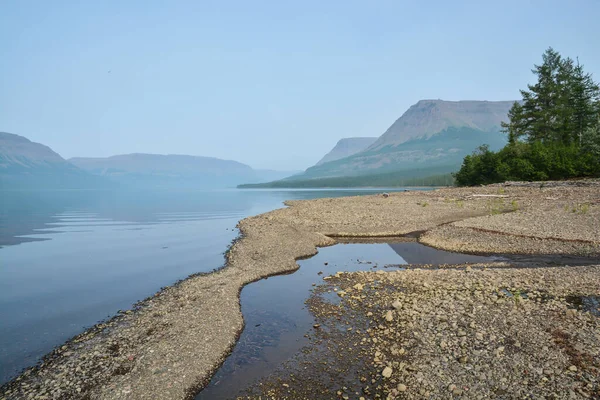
<point x="170" y="344"/>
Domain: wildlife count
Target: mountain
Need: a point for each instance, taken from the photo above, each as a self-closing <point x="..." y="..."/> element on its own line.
<point x="347" y="147"/>
<point x="28" y="165"/>
<point x="140" y="170"/>
<point x="428" y="118"/>
<point x="174" y="171"/>
<point x="430" y="138"/>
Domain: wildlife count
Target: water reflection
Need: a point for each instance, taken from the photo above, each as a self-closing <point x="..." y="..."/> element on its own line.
<point x="72" y="258"/>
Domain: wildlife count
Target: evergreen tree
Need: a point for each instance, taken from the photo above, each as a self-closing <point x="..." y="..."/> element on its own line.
<point x="559" y="107"/>
<point x="553" y="133"/>
<point x="585" y="101"/>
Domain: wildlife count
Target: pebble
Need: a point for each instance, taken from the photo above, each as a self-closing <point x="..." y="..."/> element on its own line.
<point x="387" y="372"/>
<point x="389" y="317"/>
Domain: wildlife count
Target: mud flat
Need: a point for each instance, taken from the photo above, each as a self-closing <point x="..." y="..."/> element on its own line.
<point x="170" y="344"/>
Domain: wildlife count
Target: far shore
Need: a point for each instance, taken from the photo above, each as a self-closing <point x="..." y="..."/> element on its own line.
<point x="171" y="344"/>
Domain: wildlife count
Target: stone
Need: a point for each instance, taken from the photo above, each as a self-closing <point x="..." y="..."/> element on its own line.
<point x="402" y="387"/>
<point x="573" y="368"/>
<point x="389" y="317"/>
<point x="397" y="305"/>
<point x="387" y="372"/>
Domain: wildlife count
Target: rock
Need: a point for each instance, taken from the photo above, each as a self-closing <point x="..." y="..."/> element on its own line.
<point x="479" y="336"/>
<point x="358" y="286"/>
<point x="397" y="305"/>
<point x="573" y="368"/>
<point x="401" y="387"/>
<point x="389" y="316"/>
<point x="387" y="372"/>
<point x="451" y="387"/>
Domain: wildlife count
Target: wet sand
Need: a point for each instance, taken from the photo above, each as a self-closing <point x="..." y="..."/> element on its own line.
<point x="171" y="344"/>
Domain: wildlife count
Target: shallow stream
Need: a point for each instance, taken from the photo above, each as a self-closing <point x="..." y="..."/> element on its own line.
<point x="277" y="319"/>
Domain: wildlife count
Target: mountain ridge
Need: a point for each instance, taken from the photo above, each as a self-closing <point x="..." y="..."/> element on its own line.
<point x="346" y="147"/>
<point x="432" y="135"/>
<point x="428" y="117"/>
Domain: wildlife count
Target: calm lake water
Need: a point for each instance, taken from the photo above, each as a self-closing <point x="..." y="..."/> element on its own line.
<point x="69" y="259"/>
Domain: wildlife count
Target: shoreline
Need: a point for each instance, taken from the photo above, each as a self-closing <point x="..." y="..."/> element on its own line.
<point x="174" y="340"/>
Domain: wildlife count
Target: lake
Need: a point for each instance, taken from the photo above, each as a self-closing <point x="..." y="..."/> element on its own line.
<point x="69" y="259"/>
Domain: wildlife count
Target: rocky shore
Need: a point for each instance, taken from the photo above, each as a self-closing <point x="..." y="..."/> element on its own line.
<point x="171" y="343"/>
<point x="465" y="332"/>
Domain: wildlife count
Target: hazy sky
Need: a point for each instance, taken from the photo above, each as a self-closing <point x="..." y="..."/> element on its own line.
<point x="273" y="84"/>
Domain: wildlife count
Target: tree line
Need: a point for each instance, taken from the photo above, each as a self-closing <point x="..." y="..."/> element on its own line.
<point x="553" y="132"/>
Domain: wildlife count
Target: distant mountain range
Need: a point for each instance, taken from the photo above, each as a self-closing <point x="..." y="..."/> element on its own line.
<point x="28" y="165"/>
<point x="431" y="138"/>
<point x="173" y="170"/>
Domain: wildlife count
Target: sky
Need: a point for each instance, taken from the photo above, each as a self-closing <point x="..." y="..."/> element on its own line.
<point x="273" y="84"/>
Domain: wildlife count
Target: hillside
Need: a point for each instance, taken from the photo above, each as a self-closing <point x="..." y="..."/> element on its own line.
<point x="430" y="117"/>
<point x="28" y="165"/>
<point x="173" y="171"/>
<point x="347" y="147"/>
<point x="430" y="138"/>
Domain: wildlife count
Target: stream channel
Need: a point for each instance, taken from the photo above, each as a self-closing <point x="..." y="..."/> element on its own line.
<point x="277" y="319"/>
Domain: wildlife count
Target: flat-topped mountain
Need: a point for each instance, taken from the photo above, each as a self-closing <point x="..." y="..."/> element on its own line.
<point x="430" y="134"/>
<point x="431" y="138"/>
<point x="174" y="170"/>
<point x="165" y="171"/>
<point x="159" y="164"/>
<point x="347" y="147"/>
<point x="430" y="117"/>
